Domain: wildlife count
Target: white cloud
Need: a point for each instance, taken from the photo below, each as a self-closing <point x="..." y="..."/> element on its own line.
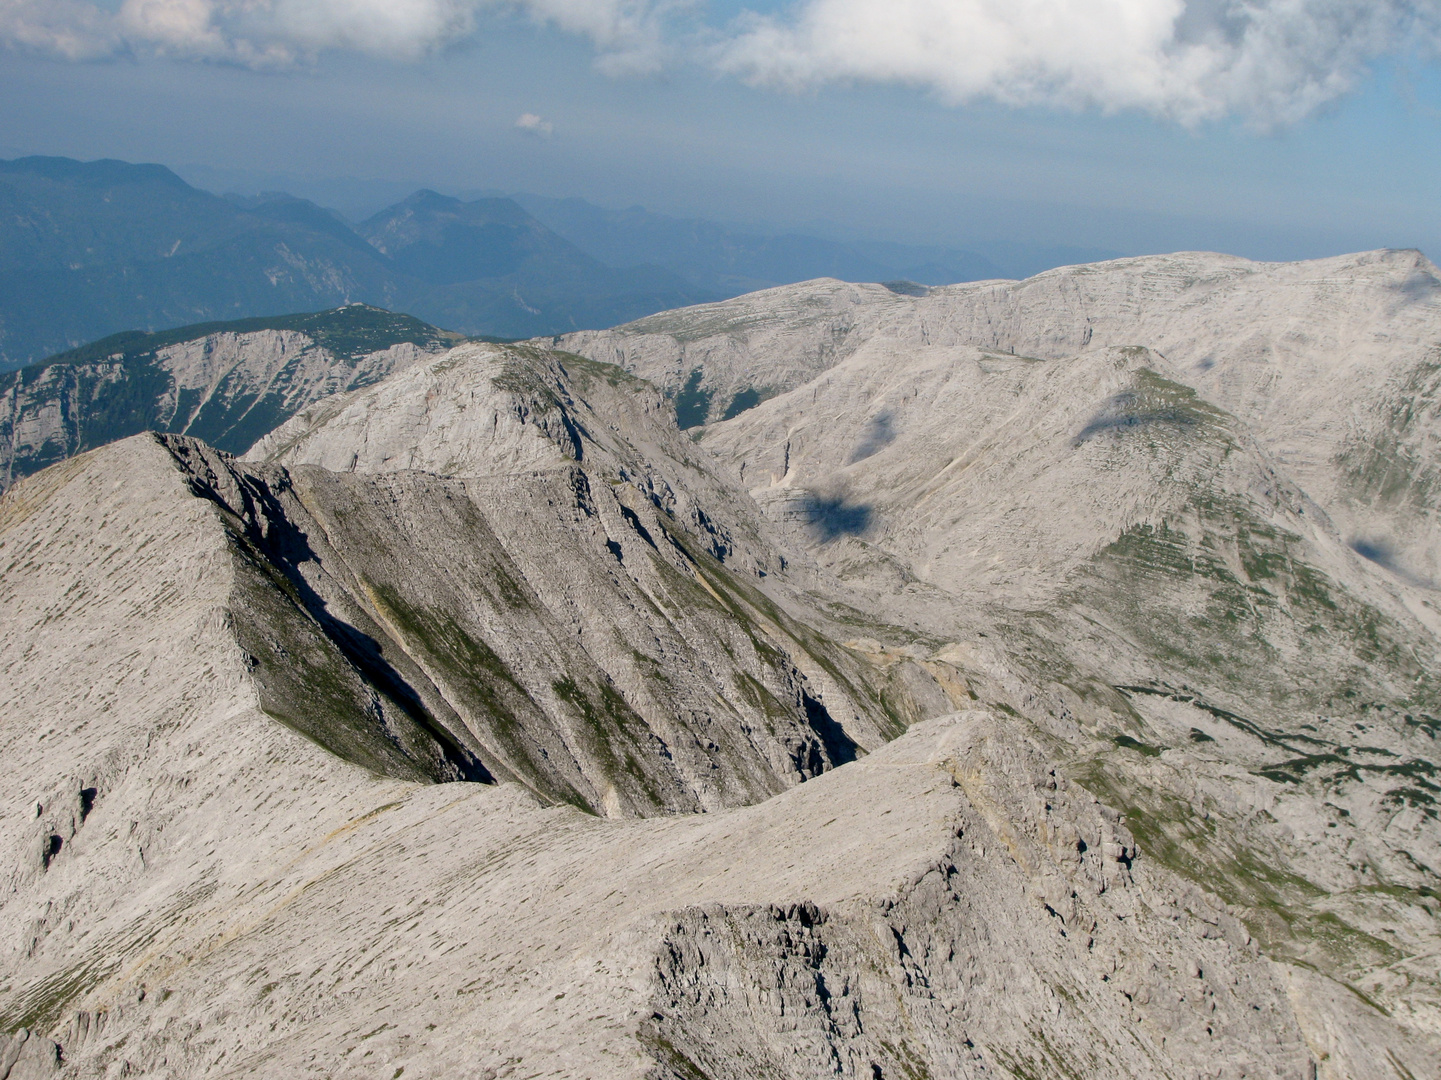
<point x="70" y="28"/>
<point x="628" y="34"/>
<point x="1273" y="61"/>
<point x="535" y="125"/>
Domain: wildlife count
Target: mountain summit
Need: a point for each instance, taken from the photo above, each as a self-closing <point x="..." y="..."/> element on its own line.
<point x="1022" y="678"/>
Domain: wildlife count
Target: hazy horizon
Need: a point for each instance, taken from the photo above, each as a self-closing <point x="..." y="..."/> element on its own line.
<point x="1248" y="137"/>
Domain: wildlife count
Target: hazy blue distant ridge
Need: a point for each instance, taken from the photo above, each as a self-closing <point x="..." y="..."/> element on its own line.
<point x="90" y="249"/>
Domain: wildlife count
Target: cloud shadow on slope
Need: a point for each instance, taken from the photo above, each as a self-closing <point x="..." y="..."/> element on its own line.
<point x="829" y="517"/>
<point x="880" y="432"/>
<point x="1384" y="555"/>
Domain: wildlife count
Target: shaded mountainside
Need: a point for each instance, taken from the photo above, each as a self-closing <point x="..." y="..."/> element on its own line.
<point x="91" y="248"/>
<point x="489" y="265"/>
<point x="950" y="709"/>
<point x="227" y="383"/>
<point x="444" y="241"/>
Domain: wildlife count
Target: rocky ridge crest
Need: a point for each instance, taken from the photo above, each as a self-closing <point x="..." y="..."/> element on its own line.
<point x="1051" y="726"/>
<point x="228" y="383"/>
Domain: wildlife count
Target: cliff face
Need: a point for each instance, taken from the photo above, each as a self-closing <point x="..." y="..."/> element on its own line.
<point x="227" y="383"/>
<point x="950" y="712"/>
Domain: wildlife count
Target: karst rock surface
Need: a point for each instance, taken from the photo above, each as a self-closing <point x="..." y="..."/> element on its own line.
<point x="1025" y="679"/>
<point x="1332" y="364"/>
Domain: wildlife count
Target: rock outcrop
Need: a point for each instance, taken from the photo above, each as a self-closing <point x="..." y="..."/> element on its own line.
<point x="226" y="383"/>
<point x="950" y="712"/>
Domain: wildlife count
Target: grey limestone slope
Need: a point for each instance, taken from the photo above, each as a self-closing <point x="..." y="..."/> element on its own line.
<point x="1142" y="570"/>
<point x="379" y="751"/>
<point x="719" y="358"/>
<point x="228" y="898"/>
<point x="228" y="383"/>
<point x="625" y="581"/>
<point x="200" y="890"/>
<point x="1332" y="364"/>
<point x="1162" y="571"/>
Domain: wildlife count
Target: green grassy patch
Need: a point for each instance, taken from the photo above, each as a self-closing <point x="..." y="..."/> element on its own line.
<point x="1129" y="743"/>
<point x="615" y="734"/>
<point x="1280" y="907"/>
<point x="478" y="681"/>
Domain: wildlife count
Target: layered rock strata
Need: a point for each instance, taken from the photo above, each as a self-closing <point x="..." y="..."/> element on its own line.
<point x="948" y="713"/>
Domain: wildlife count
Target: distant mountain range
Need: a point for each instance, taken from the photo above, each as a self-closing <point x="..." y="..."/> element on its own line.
<point x="729" y="262"/>
<point x="88" y="249"/>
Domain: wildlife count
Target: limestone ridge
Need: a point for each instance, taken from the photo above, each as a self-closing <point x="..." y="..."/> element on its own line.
<point x="1332" y="364"/>
<point x="906" y="985"/>
<point x="227" y="383"/>
<point x="244" y="594"/>
<point x="858" y="924"/>
<point x="1125" y="767"/>
<point x="533" y="663"/>
<point x="1153" y="549"/>
<point x="319" y="674"/>
<point x="543" y="599"/>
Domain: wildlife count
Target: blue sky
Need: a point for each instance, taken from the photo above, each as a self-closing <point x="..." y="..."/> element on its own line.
<point x="690" y="112"/>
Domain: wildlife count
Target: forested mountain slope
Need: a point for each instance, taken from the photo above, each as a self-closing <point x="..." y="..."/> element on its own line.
<point x="89" y="249"/>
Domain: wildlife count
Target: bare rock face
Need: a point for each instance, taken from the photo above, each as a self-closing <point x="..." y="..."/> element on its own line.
<point x="1153" y="551"/>
<point x="1063" y="920"/>
<point x="1331" y="364"/>
<point x="228" y="383"/>
<point x="28" y="1057"/>
<point x="950" y="712"/>
<point x="237" y="899"/>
